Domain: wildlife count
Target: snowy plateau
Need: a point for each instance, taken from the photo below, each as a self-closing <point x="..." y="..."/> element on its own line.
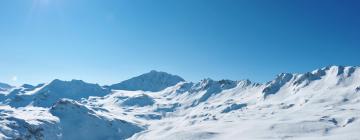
<point x="320" y="105"/>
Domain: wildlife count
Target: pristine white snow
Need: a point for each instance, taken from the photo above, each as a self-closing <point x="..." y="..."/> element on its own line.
<point x="323" y="104"/>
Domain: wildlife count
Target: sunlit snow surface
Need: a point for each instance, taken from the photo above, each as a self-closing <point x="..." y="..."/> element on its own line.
<point x="323" y="104"/>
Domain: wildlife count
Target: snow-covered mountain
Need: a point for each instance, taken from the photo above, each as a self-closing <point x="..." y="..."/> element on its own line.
<point x="45" y="95"/>
<point x="4" y="87"/>
<point x="322" y="104"/>
<point x="152" y="81"/>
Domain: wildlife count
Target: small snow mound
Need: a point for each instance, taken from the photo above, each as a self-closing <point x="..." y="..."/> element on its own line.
<point x="153" y="81"/>
<point x="139" y="100"/>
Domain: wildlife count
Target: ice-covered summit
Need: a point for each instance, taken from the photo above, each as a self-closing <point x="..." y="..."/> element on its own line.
<point x="153" y="81"/>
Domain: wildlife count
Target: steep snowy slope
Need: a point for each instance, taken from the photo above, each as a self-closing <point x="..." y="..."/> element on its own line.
<point x="30" y="123"/>
<point x="81" y="122"/>
<point x="152" y="81"/>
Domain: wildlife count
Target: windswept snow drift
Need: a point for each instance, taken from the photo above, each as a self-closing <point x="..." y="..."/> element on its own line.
<point x="322" y="104"/>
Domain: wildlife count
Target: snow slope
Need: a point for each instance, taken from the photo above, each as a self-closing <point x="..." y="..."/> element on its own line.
<point x="81" y="122"/>
<point x="323" y="104"/>
<point x="66" y="120"/>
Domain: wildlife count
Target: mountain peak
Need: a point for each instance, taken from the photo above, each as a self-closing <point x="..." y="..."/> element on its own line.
<point x="74" y="89"/>
<point x="5" y="86"/>
<point x="155" y="71"/>
<point x="61" y="81"/>
<point x="152" y="81"/>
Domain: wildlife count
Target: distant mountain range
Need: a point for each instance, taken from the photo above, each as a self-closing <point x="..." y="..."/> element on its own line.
<point x="322" y="104"/>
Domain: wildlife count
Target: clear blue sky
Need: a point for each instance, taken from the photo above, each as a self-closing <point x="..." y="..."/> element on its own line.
<point x="107" y="41"/>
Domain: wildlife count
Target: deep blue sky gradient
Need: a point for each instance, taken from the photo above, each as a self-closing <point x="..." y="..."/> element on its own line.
<point x="107" y="41"/>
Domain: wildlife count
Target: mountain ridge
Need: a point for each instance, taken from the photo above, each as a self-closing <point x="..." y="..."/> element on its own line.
<point x="321" y="104"/>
